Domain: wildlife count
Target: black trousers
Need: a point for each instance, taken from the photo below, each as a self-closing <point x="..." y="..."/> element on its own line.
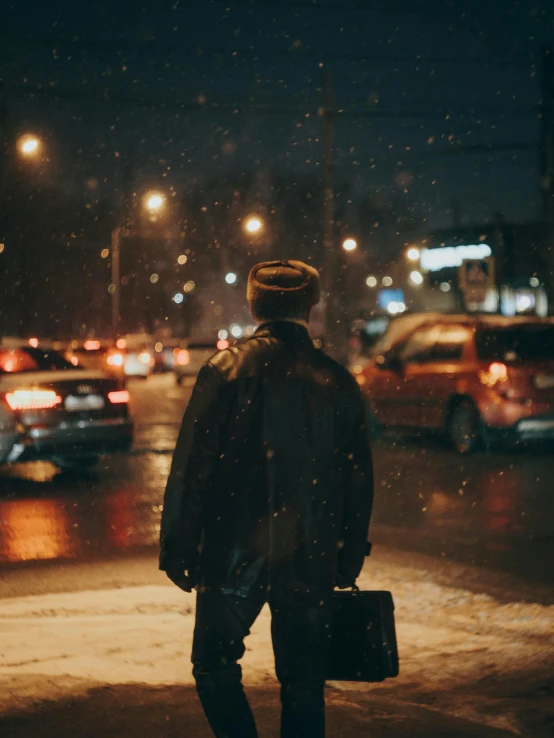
<point x="300" y="637"/>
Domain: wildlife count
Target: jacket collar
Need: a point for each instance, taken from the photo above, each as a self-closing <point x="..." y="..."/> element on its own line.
<point x="285" y="330"/>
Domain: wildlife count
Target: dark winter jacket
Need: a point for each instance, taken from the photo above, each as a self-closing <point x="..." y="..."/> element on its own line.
<point x="271" y="480"/>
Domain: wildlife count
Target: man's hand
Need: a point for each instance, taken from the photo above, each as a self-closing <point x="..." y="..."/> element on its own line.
<point x="341" y="582"/>
<point x="181" y="574"/>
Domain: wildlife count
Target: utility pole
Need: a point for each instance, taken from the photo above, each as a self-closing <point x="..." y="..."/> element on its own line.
<point x="6" y="158"/>
<point x="4" y="138"/>
<point x="7" y="295"/>
<point x="124" y="210"/>
<point x="331" y="283"/>
<point x="116" y="279"/>
<point x="547" y="161"/>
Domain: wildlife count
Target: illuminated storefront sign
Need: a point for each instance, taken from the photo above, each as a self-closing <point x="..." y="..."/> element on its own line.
<point x="452" y="256"/>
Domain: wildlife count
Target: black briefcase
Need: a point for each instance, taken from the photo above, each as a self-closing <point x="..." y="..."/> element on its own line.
<point x="363" y="637"/>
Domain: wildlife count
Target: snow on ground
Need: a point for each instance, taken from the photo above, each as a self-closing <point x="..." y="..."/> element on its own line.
<point x="462" y="654"/>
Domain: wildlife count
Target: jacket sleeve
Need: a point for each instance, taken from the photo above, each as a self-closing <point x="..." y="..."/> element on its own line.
<point x="358" y="494"/>
<point x="194" y="462"/>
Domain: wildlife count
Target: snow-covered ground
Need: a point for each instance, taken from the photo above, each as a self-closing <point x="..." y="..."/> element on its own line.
<point x="462" y="654"/>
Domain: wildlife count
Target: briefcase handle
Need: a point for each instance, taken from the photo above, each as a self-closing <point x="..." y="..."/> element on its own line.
<point x="353" y="587"/>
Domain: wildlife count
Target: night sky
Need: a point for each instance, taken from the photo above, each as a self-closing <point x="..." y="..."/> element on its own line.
<point x="141" y="81"/>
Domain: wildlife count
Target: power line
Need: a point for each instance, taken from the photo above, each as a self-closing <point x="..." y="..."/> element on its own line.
<point x="395" y="11"/>
<point x="116" y="97"/>
<point x="293" y="54"/>
<point x="309" y="5"/>
<point x="485" y="148"/>
<point x="113" y="97"/>
<point x="455" y="109"/>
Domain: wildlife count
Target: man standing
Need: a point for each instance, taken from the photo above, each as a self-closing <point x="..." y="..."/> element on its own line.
<point x="268" y="500"/>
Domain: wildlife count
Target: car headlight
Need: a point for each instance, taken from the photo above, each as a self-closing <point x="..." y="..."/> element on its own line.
<point x="145" y="358"/>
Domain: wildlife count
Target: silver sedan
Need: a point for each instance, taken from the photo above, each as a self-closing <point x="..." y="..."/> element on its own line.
<point x="51" y="410"/>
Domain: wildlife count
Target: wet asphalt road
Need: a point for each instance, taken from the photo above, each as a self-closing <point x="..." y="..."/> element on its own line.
<point x="495" y="511"/>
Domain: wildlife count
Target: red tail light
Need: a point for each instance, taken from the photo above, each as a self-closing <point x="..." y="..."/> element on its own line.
<point x="35" y="399"/>
<point x="118" y="397"/>
<point x="497" y="372"/>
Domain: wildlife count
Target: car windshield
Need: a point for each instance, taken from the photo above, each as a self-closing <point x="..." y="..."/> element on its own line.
<point x="18" y="360"/>
<point x="529" y="342"/>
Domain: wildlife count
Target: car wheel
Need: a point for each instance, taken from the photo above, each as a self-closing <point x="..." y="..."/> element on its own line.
<point x="74" y="466"/>
<point x="464" y="428"/>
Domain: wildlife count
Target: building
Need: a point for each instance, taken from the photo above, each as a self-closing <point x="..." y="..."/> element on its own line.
<point x="516" y="268"/>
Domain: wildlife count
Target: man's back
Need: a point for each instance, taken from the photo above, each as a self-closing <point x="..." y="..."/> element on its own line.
<point x="279" y="446"/>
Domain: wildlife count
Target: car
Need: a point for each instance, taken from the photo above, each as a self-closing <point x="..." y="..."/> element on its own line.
<point x="164" y="353"/>
<point x="114" y="358"/>
<point x="89" y="354"/>
<point x="139" y="354"/>
<point x="189" y="358"/>
<point x="52" y="410"/>
<point x="477" y="379"/>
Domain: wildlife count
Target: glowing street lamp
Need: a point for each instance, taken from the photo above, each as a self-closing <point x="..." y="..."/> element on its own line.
<point x="349" y="244"/>
<point x="230" y="278"/>
<point x="412" y="254"/>
<point x="253" y="224"/>
<point x="28" y="145"/>
<point x="154" y="201"/>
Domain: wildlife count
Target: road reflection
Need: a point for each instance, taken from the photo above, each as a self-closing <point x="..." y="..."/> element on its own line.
<point x="489" y="509"/>
<point x="492" y="509"/>
<point x="128" y="526"/>
<point x="35" y="529"/>
<point x="115" y="510"/>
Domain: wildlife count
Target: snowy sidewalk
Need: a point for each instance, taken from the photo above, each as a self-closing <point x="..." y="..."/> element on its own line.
<point x="116" y="663"/>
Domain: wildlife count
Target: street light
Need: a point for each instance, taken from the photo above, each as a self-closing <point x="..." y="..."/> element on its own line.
<point x="154" y="201"/>
<point x="253" y="224"/>
<point x="416" y="277"/>
<point x="412" y="254"/>
<point x="28" y="145"/>
<point x="231" y="278"/>
<point x="349" y="244"/>
<point x="189" y="286"/>
<point x="371" y="281"/>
